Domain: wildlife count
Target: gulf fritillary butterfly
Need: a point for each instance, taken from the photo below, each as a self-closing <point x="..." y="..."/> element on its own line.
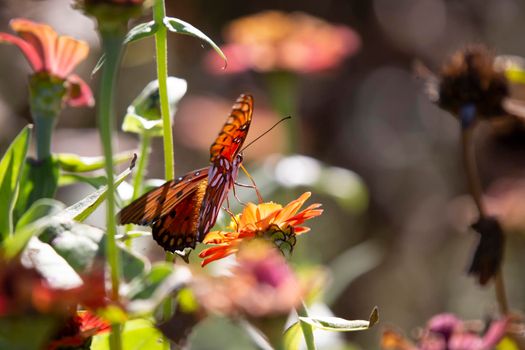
<point x="182" y="211"/>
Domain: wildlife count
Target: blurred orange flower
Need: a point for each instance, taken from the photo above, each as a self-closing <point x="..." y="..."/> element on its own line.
<point x="270" y="221"/>
<point x="54" y="55"/>
<point x="274" y="40"/>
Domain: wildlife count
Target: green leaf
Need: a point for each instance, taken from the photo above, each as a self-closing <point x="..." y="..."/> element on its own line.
<point x="133" y="264"/>
<point x="24" y="333"/>
<point x="137" y="335"/>
<point x="53" y="267"/>
<point x="144" y="116"/>
<point x="147" y="292"/>
<point x="292" y="337"/>
<point x="176" y="25"/>
<point x="39" y="180"/>
<point x="77" y="164"/>
<point x="41" y="208"/>
<point x="11" y="167"/>
<point x="77" y="243"/>
<point x="82" y="209"/>
<point x="80" y="245"/>
<point x="67" y="179"/>
<point x="337" y="324"/>
<point x="14" y="244"/>
<point x="141" y="31"/>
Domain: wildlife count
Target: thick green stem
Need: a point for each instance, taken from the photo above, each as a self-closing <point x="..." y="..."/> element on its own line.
<point x="159" y="13"/>
<point x="112" y="47"/>
<point x="308" y="332"/>
<point x="44" y="130"/>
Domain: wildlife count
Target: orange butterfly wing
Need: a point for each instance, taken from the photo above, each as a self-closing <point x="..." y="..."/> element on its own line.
<point x="171" y="210"/>
<point x="226" y="160"/>
<point x="233" y="133"/>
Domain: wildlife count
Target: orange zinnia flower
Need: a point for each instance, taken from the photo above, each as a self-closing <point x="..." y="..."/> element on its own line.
<point x="54" y="55"/>
<point x="267" y="220"/>
<point x="274" y="41"/>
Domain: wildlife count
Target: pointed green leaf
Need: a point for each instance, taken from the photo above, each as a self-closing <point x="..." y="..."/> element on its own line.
<point x="82" y="209"/>
<point x="176" y="25"/>
<point x="337" y="324"/>
<point x="10" y="170"/>
<point x="141" y="31"/>
<point x="77" y="164"/>
<point x="41" y="208"/>
<point x="292" y="337"/>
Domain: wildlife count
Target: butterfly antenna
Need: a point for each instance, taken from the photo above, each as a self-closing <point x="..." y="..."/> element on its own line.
<point x="259" y="197"/>
<point x="267" y="131"/>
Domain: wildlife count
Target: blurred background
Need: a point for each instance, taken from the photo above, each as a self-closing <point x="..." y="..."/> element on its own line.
<point x="385" y="162"/>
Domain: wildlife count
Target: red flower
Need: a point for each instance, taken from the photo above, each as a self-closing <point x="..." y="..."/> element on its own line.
<point x="79" y="330"/>
<point x="54" y="55"/>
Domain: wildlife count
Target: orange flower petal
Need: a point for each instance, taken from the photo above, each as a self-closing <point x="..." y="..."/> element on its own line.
<point x="41" y="36"/>
<point x="217" y="254"/>
<point x="29" y="51"/>
<point x="69" y="53"/>
<point x="291" y="208"/>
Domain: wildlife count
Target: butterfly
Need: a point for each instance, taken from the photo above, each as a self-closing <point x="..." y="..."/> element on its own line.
<point x="182" y="211"/>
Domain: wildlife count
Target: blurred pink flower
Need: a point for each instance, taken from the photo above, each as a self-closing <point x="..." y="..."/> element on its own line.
<point x="447" y="332"/>
<point x="261" y="285"/>
<point x="274" y="40"/>
<point x="54" y="55"/>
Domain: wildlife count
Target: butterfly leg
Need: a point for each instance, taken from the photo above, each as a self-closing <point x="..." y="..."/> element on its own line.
<point x="238" y="200"/>
<point x="232" y="215"/>
<point x="259" y="197"/>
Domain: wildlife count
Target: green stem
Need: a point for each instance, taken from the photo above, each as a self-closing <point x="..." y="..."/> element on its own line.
<point x="145" y="141"/>
<point x="283" y="96"/>
<point x="308" y="333"/>
<point x="44" y="130"/>
<point x="112" y="47"/>
<point x="159" y="13"/>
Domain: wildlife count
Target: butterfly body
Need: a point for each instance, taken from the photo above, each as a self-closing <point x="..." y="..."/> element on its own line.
<point x="182" y="211"/>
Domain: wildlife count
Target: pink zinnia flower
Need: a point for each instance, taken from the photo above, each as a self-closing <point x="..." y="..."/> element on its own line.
<point x="55" y="55"/>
